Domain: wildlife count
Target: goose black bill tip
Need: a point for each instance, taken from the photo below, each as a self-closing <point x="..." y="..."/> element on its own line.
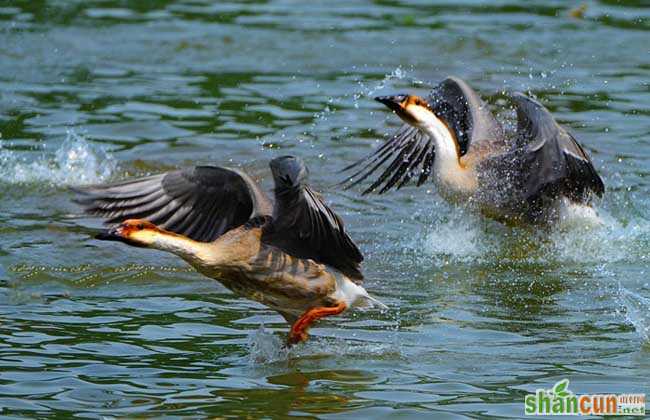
<point x="391" y="101"/>
<point x="115" y="234"/>
<point x="395" y="103"/>
<point x="111" y="234"/>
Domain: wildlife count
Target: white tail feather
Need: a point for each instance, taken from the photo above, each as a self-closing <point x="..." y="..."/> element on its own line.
<point x="354" y="295"/>
<point x="371" y="302"/>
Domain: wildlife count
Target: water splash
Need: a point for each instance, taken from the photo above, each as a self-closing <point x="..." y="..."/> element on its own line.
<point x="573" y="214"/>
<point x="75" y="162"/>
<point x="265" y="347"/>
<point x="590" y="239"/>
<point x="362" y="92"/>
<point x="636" y="312"/>
<point x="468" y="239"/>
<point x="607" y="242"/>
<point x="352" y="348"/>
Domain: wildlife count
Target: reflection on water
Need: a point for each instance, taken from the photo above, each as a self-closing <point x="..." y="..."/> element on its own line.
<point x="479" y="313"/>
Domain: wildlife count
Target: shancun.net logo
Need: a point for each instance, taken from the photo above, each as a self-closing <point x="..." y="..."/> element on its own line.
<point x="559" y="401"/>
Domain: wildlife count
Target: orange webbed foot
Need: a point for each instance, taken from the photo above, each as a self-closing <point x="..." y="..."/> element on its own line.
<point x="296" y="337"/>
<point x="298" y="332"/>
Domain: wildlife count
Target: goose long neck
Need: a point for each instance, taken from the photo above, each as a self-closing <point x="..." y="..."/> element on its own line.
<point x="446" y="146"/>
<point x="190" y="250"/>
<point x="455" y="181"/>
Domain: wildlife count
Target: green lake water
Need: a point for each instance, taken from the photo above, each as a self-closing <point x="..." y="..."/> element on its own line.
<point x="480" y="314"/>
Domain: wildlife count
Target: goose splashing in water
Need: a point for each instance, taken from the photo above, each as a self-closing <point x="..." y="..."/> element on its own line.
<point x="533" y="176"/>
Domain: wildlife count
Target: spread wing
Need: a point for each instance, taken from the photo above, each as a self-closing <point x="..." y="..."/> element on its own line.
<point x="553" y="162"/>
<point x="305" y="227"/>
<point x="466" y="113"/>
<point x="200" y="202"/>
<point x="411" y="153"/>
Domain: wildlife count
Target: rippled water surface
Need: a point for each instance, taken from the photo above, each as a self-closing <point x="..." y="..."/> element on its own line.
<point x="479" y="314"/>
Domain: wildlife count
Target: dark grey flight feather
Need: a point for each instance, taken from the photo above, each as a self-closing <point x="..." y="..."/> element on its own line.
<point x="552" y="161"/>
<point x="411" y="153"/>
<point x="408" y="142"/>
<point x="470" y="118"/>
<point x="204" y="202"/>
<point x="304" y="226"/>
<point x="200" y="202"/>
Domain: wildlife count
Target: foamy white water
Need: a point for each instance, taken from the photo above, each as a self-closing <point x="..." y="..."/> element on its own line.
<point x="265" y="347"/>
<point x="75" y="162"/>
<point x="460" y="239"/>
<point x="572" y="214"/>
<point x="585" y="235"/>
<point x="607" y="242"/>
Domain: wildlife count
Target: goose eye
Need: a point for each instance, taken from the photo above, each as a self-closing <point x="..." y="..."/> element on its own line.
<point x="141" y="226"/>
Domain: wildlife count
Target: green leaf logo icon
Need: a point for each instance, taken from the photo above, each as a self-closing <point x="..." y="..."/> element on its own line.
<point x="560" y="388"/>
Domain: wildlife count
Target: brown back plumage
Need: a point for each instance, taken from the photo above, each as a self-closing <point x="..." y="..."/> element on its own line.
<point x="204" y="202"/>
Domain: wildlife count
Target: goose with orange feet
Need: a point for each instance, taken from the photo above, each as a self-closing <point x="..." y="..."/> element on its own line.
<point x="293" y="256"/>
